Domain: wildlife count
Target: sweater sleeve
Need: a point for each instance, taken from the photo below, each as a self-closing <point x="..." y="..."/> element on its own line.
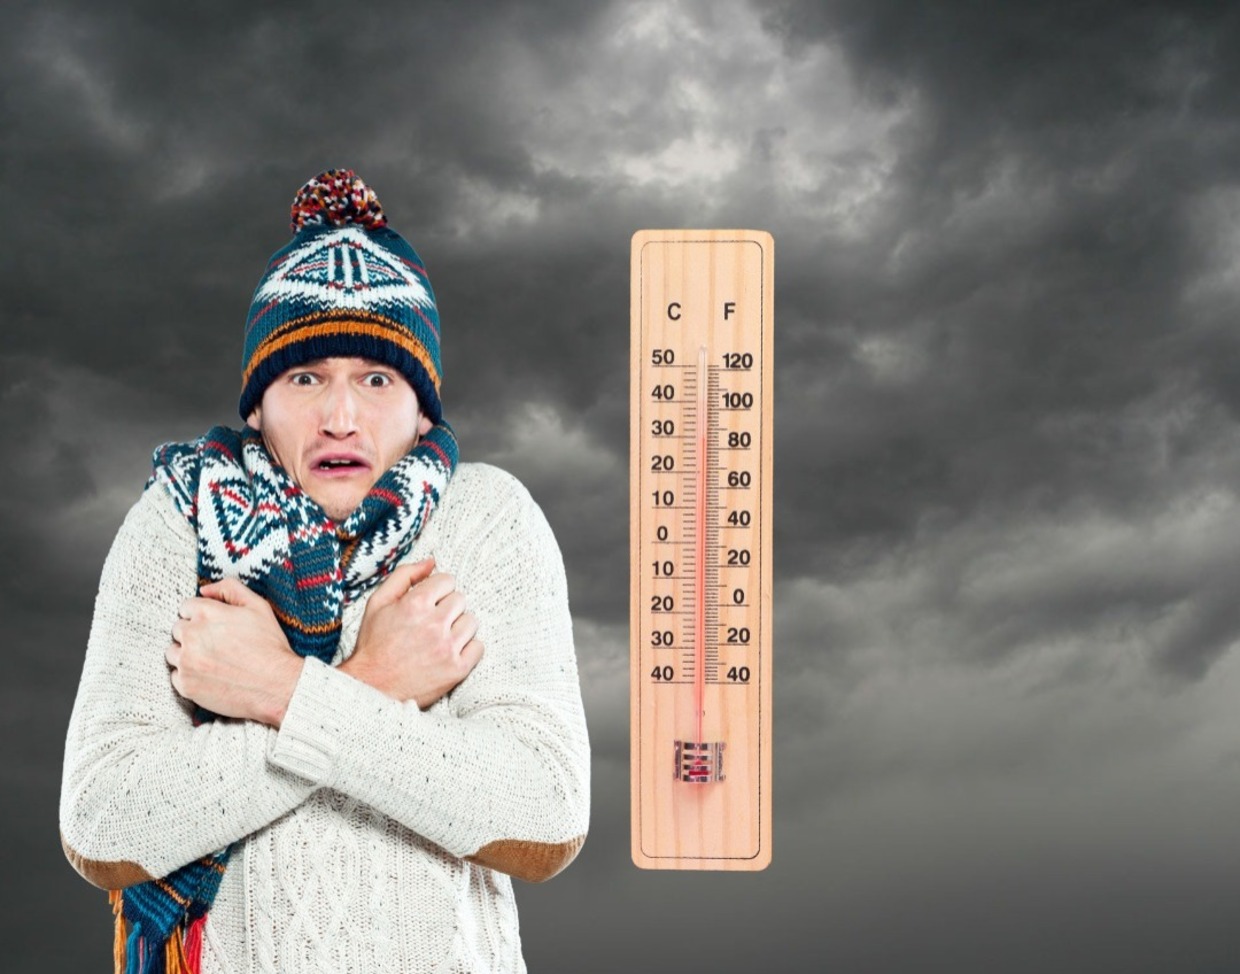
<point x="143" y="790"/>
<point x="499" y="773"/>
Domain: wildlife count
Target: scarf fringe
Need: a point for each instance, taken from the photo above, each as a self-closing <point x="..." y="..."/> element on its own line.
<point x="131" y="954"/>
<point x="118" y="940"/>
<point x="193" y="945"/>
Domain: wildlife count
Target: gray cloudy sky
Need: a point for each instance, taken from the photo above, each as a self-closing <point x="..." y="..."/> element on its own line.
<point x="1007" y="451"/>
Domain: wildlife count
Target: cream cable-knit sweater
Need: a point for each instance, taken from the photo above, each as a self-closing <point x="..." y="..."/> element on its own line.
<point x="353" y="819"/>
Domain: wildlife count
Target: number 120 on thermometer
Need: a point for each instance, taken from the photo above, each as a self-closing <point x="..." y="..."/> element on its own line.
<point x="701" y="309"/>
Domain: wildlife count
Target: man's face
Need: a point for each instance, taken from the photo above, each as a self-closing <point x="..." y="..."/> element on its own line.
<point x="336" y="425"/>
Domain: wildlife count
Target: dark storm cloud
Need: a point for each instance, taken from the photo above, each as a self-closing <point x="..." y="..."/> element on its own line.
<point x="1022" y="344"/>
<point x="156" y="126"/>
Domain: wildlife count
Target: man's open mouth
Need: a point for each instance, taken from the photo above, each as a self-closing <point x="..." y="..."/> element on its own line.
<point x="341" y="464"/>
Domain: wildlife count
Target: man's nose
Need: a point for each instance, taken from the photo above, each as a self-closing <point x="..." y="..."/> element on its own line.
<point x="339" y="416"/>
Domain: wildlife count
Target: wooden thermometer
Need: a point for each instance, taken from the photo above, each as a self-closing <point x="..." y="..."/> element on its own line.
<point x="700" y="533"/>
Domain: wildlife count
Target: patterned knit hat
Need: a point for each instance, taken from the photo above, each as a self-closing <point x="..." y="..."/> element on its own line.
<point x="345" y="285"/>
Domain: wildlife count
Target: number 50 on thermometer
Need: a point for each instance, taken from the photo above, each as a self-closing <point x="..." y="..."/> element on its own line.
<point x="701" y="309"/>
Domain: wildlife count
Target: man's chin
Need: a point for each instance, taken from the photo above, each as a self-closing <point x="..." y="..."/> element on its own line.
<point x="338" y="508"/>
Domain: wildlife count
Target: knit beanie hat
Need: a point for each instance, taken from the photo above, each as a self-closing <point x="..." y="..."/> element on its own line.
<point x="345" y="285"/>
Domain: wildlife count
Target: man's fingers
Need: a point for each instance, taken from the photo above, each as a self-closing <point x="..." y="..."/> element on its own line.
<point x="464" y="628"/>
<point x="452" y="605"/>
<point x="401" y="579"/>
<point x="472" y="653"/>
<point x="436" y="587"/>
<point x="229" y="590"/>
<point x="173" y="655"/>
<point x="410" y="574"/>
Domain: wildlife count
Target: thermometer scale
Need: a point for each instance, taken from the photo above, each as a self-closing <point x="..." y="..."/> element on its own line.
<point x="701" y="306"/>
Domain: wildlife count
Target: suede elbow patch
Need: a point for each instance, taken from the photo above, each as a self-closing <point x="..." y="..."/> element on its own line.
<point x="105" y="875"/>
<point x="534" y="862"/>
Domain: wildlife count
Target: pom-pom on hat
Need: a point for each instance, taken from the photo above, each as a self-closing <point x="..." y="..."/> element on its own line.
<point x="345" y="285"/>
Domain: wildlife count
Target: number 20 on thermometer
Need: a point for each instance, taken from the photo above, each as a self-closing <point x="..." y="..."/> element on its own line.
<point x="701" y="308"/>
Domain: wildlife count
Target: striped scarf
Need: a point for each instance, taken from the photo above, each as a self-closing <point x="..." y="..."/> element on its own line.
<point x="256" y="524"/>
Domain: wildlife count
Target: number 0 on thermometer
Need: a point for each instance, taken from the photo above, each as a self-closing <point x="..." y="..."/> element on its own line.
<point x="700" y="531"/>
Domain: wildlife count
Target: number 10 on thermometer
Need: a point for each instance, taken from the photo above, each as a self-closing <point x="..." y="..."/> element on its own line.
<point x="701" y="308"/>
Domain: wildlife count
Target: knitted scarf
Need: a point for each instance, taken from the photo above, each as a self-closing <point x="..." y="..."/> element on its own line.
<point x="256" y="524"/>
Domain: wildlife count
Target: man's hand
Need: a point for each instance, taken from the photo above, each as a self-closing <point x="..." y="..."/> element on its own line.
<point x="416" y="640"/>
<point x="230" y="656"/>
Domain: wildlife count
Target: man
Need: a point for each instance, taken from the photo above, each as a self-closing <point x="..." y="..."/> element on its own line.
<point x="330" y="699"/>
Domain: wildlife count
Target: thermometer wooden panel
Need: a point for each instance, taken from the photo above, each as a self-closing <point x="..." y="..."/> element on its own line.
<point x="701" y="306"/>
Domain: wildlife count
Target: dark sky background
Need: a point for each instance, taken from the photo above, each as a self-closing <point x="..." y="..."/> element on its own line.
<point x="1007" y="457"/>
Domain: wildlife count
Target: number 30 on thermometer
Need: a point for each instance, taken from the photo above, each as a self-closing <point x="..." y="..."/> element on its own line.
<point x="701" y="308"/>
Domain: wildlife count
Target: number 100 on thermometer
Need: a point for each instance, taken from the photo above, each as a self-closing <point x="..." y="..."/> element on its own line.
<point x="701" y="310"/>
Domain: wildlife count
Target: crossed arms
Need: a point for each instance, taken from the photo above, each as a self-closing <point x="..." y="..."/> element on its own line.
<point x="497" y="772"/>
<point x="229" y="655"/>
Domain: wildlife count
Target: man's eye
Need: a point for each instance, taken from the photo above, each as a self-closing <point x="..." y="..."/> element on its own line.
<point x="378" y="379"/>
<point x="302" y="379"/>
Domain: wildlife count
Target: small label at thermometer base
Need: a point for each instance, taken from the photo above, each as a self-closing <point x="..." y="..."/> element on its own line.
<point x="700" y="557"/>
<point x="699" y="763"/>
